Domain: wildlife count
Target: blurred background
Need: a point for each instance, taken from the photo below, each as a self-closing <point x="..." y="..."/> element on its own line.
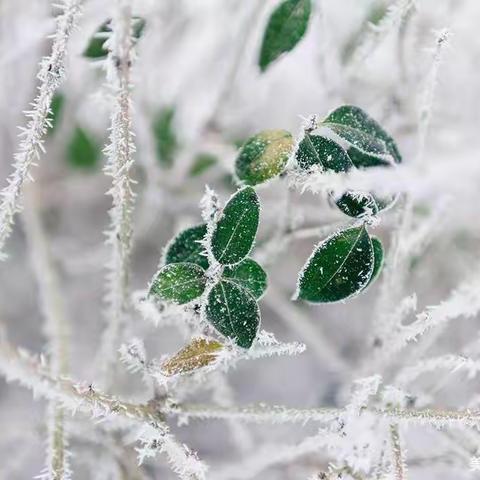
<point x="198" y="94"/>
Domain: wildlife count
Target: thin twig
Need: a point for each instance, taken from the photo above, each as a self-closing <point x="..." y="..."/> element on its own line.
<point x="399" y="467"/>
<point x="120" y="159"/>
<point x="51" y="74"/>
<point x="56" y="329"/>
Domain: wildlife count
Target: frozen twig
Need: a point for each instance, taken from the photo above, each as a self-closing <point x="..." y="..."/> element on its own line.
<point x="398" y="460"/>
<point x="120" y="159"/>
<point x="52" y="72"/>
<point x="276" y="414"/>
<point x="462" y="302"/>
<point x="452" y="363"/>
<point x="397" y="263"/>
<point x="56" y="329"/>
<point x="377" y="33"/>
<point x="152" y="432"/>
<point x="428" y="95"/>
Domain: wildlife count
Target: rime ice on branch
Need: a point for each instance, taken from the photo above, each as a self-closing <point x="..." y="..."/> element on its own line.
<point x="52" y="72"/>
<point x="119" y="153"/>
<point x="57" y="331"/>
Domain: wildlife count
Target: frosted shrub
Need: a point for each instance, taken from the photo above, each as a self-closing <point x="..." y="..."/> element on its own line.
<point x="303" y="279"/>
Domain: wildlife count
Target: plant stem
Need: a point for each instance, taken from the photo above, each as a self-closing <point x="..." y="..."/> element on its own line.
<point x="119" y="153"/>
<point x="399" y="467"/>
<point x="56" y="329"/>
<point x="51" y="74"/>
<point x="276" y="414"/>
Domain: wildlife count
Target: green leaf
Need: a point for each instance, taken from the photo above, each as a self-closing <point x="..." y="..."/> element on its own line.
<point x="378" y="257"/>
<point x="357" y="204"/>
<point x="264" y="156"/>
<point x="138" y="27"/>
<point x="82" y="151"/>
<point x="363" y="133"/>
<point x="286" y="27"/>
<point x="199" y="353"/>
<point x="179" y="282"/>
<point x="338" y="268"/>
<point x="363" y="160"/>
<point x="235" y="231"/>
<point x="233" y="311"/>
<point x="56" y="107"/>
<point x="186" y="247"/>
<point x="248" y="274"/>
<point x="201" y="163"/>
<point x="363" y="204"/>
<point x="96" y="47"/>
<point x="165" y="138"/>
<point x="318" y="150"/>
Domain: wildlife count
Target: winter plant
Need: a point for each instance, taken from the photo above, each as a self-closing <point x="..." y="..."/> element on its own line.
<point x="313" y="237"/>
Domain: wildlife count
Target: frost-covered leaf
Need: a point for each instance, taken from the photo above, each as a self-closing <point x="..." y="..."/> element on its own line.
<point x="200" y="352"/>
<point x="378" y="257"/>
<point x="235" y="231"/>
<point x="360" y="204"/>
<point x="201" y="163"/>
<point x="56" y="107"/>
<point x="82" y="151"/>
<point x="286" y="27"/>
<point x="263" y="156"/>
<point x="363" y="160"/>
<point x="318" y="150"/>
<point x="338" y="268"/>
<point x="248" y="274"/>
<point x="186" y="247"/>
<point x="233" y="311"/>
<point x="363" y="133"/>
<point x="357" y="204"/>
<point x="166" y="143"/>
<point x="138" y="27"/>
<point x="96" y="47"/>
<point x="179" y="282"/>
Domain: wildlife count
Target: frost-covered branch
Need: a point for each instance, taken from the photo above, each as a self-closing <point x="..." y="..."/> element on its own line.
<point x="398" y="460"/>
<point x="52" y="72"/>
<point x="56" y="329"/>
<point x="462" y="302"/>
<point x="376" y="34"/>
<point x="120" y="159"/>
<point x="260" y="413"/>
<point x="397" y="263"/>
<point x="451" y="363"/>
<point x="151" y="431"/>
<point x="425" y="111"/>
<point x="276" y="414"/>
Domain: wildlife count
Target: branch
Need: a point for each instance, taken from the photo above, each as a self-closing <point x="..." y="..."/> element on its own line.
<point x="450" y="362"/>
<point x="57" y="331"/>
<point x="399" y="466"/>
<point x="153" y="433"/>
<point x="276" y="414"/>
<point x="119" y="154"/>
<point x="376" y="34"/>
<point x="51" y="74"/>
